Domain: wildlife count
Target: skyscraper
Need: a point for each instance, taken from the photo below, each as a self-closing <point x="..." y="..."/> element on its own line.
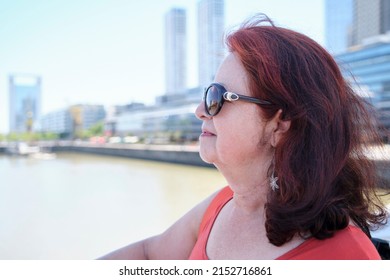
<point x="338" y="24"/>
<point x="385" y="15"/>
<point x="24" y="102"/>
<point x="175" y="51"/>
<point x="351" y="22"/>
<point x="210" y="35"/>
<point x="366" y="20"/>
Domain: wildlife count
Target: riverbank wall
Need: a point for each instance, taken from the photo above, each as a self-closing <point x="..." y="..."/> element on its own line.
<point x="168" y="153"/>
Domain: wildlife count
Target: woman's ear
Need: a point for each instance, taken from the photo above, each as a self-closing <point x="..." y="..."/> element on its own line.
<point x="279" y="128"/>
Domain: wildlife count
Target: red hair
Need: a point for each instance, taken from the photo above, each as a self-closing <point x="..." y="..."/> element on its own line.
<point x="324" y="178"/>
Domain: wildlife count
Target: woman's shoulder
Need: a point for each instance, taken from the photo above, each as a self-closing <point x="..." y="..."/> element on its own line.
<point x="214" y="204"/>
<point x="214" y="200"/>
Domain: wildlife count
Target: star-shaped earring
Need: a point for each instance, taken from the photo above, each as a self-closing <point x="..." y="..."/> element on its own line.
<point x="273" y="182"/>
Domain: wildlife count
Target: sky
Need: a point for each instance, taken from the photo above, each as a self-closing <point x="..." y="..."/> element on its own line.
<point x="111" y="52"/>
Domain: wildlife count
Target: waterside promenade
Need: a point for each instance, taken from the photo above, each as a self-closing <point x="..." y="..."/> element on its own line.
<point x="180" y="154"/>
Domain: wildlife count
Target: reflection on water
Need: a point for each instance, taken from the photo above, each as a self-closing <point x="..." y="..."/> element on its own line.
<point x="83" y="206"/>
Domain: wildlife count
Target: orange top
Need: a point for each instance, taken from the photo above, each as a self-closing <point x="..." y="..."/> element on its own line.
<point x="350" y="243"/>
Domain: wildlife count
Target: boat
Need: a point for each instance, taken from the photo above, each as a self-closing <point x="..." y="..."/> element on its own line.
<point x="22" y="149"/>
<point x="44" y="156"/>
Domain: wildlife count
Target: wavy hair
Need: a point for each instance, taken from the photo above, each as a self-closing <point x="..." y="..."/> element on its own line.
<point x="324" y="176"/>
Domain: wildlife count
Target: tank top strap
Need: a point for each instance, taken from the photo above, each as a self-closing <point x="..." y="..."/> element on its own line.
<point x="218" y="201"/>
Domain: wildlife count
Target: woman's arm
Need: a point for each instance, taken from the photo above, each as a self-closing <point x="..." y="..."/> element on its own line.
<point x="135" y="251"/>
<point x="175" y="243"/>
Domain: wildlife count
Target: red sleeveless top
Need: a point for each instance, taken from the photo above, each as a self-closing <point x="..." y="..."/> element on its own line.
<point x="350" y="243"/>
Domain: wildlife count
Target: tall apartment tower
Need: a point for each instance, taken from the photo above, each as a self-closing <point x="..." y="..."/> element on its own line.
<point x="211" y="14"/>
<point x="385" y="15"/>
<point x="338" y="25"/>
<point x="371" y="18"/>
<point x="175" y="51"/>
<point x="24" y="102"/>
<point x="351" y="22"/>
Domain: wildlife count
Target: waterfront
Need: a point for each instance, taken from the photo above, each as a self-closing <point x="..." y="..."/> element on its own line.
<point x="81" y="206"/>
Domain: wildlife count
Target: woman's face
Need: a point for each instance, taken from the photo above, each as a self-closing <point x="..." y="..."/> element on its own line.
<point x="237" y="134"/>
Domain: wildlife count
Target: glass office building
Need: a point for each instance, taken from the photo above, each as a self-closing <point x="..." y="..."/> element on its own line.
<point x="370" y="66"/>
<point x="172" y="119"/>
<point x="24" y="102"/>
<point x="160" y="125"/>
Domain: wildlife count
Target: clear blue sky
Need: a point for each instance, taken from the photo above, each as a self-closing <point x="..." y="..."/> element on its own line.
<point x="111" y="51"/>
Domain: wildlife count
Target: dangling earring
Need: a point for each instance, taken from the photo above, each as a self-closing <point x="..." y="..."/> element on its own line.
<point x="273" y="180"/>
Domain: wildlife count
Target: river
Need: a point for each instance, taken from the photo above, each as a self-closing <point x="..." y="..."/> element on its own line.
<point x="80" y="206"/>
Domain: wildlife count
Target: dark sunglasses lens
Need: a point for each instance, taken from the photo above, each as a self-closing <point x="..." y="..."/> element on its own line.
<point x="213" y="100"/>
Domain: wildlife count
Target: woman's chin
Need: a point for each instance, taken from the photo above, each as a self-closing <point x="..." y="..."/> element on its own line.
<point x="205" y="159"/>
<point x="206" y="156"/>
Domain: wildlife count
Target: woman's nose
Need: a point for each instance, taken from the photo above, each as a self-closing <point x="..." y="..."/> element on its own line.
<point x="200" y="111"/>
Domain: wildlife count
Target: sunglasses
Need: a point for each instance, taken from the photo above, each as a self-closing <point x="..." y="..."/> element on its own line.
<point x="215" y="95"/>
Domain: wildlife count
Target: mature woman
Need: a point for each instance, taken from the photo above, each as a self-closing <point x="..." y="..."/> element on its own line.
<point x="287" y="132"/>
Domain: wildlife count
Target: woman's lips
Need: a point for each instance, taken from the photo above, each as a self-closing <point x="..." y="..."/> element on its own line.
<point x="207" y="133"/>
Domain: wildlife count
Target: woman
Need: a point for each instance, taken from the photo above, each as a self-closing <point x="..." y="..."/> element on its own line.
<point x="285" y="130"/>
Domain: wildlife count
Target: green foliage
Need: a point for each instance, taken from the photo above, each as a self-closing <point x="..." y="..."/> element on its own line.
<point x="49" y="136"/>
<point x="95" y="130"/>
<point x="30" y="136"/>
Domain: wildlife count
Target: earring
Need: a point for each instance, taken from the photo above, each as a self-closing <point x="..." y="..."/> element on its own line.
<point x="273" y="180"/>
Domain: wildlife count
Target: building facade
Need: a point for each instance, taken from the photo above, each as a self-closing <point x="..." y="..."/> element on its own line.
<point x="175" y="51"/>
<point x="24" y="102"/>
<point x="370" y="67"/>
<point x="211" y="22"/>
<point x="171" y="120"/>
<point x="58" y="122"/>
<point x="69" y="121"/>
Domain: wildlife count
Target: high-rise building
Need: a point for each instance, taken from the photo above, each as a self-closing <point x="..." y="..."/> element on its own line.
<point x="338" y="24"/>
<point x="175" y="51"/>
<point x="366" y="20"/>
<point x="385" y="15"/>
<point x="211" y="14"/>
<point x="371" y="18"/>
<point x="351" y="22"/>
<point x="24" y="102"/>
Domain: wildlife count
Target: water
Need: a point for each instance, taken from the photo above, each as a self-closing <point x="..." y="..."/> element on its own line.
<point x="83" y="206"/>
